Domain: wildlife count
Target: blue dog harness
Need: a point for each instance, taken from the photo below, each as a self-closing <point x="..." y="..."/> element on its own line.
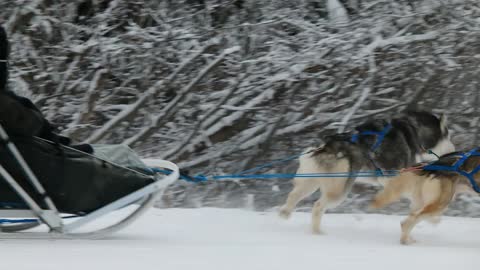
<point x="456" y="167"/>
<point x="380" y="136"/>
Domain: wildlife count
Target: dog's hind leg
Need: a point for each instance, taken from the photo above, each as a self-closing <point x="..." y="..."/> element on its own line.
<point x="329" y="200"/>
<point x="431" y="210"/>
<point x="407" y="226"/>
<point x="392" y="190"/>
<point x="332" y="196"/>
<point x="302" y="189"/>
<point x="333" y="192"/>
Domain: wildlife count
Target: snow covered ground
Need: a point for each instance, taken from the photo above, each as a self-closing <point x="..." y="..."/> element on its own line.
<point x="209" y="238"/>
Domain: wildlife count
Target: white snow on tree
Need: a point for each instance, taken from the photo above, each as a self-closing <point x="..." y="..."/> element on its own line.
<point x="337" y="13"/>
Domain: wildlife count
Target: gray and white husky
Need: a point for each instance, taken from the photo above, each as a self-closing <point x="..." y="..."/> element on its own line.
<point x="404" y="144"/>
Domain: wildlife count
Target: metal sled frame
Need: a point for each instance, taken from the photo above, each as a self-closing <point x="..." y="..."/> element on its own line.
<point x="57" y="229"/>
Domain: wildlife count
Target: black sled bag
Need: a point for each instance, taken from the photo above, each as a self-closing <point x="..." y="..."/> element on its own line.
<point x="78" y="183"/>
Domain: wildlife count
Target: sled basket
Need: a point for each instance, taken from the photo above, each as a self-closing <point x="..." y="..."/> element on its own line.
<point x="67" y="191"/>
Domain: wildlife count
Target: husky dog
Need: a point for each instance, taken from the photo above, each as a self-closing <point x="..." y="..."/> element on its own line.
<point x="429" y="191"/>
<point x="403" y="142"/>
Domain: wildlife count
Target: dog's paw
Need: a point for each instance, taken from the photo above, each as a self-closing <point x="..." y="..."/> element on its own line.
<point x="284" y="213"/>
<point x="434" y="220"/>
<point x="317" y="231"/>
<point x="407" y="240"/>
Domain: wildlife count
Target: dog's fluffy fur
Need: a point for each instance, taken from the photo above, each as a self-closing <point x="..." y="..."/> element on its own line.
<point x="403" y="146"/>
<point x="429" y="192"/>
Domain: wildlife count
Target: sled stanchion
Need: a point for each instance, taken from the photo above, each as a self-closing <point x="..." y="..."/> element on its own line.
<point x="35" y="208"/>
<point x="51" y="217"/>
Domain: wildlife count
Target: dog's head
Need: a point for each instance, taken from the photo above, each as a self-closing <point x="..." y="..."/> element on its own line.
<point x="432" y="131"/>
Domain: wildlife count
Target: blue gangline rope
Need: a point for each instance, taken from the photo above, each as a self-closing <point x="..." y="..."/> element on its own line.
<point x="270" y="164"/>
<point x="204" y="178"/>
<point x="244" y="175"/>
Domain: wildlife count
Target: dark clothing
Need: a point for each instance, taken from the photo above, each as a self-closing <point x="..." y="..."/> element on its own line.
<point x="4" y="51"/>
<point x="17" y="119"/>
<point x="18" y="115"/>
<point x="76" y="182"/>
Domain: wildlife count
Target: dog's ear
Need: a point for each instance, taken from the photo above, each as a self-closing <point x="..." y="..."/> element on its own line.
<point x="443" y="123"/>
<point x="443" y="119"/>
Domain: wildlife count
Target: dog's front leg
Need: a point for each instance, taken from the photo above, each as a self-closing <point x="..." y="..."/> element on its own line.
<point x="317" y="212"/>
<point x="302" y="189"/>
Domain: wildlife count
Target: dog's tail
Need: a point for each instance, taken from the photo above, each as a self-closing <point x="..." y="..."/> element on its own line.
<point x="309" y="163"/>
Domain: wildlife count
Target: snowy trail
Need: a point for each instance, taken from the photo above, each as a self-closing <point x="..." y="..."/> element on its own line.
<point x="209" y="238"/>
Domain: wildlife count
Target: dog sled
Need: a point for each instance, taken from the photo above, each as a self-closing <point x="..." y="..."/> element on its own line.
<point x="69" y="191"/>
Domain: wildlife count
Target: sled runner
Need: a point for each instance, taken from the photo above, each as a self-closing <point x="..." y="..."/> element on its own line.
<point x="62" y="190"/>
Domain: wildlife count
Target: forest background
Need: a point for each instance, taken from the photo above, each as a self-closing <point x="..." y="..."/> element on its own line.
<point x="220" y="86"/>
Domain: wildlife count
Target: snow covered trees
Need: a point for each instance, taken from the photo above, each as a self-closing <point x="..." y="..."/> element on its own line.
<point x="220" y="86"/>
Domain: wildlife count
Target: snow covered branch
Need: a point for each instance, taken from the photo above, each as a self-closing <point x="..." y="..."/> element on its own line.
<point x="92" y="95"/>
<point x="128" y="112"/>
<point x="166" y="112"/>
<point x="379" y="42"/>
